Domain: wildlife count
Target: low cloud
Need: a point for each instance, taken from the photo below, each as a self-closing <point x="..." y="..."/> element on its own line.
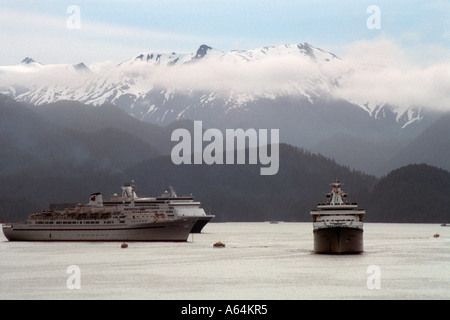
<point x="369" y="73"/>
<point x="383" y="72"/>
<point x="282" y="75"/>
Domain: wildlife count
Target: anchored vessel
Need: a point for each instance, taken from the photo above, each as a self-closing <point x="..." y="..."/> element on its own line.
<point x="169" y="202"/>
<point x="95" y="221"/>
<point x="337" y="225"/>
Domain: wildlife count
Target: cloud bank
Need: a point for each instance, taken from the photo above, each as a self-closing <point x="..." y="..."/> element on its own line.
<point x="370" y="74"/>
<point x="382" y="72"/>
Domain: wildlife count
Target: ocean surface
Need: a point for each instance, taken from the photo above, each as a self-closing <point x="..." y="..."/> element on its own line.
<point x="260" y="261"/>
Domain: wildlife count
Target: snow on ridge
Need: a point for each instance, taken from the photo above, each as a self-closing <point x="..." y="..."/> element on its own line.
<point x="237" y="77"/>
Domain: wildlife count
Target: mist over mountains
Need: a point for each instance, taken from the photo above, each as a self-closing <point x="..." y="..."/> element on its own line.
<point x="162" y="87"/>
<point x="67" y="131"/>
<point x="310" y="94"/>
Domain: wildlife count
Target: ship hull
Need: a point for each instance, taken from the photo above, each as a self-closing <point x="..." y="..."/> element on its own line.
<point x="176" y="230"/>
<point x="201" y="222"/>
<point x="338" y="240"/>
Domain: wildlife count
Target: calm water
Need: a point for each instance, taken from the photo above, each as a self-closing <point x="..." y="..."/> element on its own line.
<point x="260" y="261"/>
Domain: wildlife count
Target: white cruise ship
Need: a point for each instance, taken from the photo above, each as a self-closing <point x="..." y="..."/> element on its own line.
<point x="338" y="225"/>
<point x="95" y="221"/>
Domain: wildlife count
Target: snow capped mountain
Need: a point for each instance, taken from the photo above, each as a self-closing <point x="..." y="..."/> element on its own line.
<point x="28" y="60"/>
<point x="208" y="83"/>
<point x="81" y="67"/>
<point x="36" y="83"/>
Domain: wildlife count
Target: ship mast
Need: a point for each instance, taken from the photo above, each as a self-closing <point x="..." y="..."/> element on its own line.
<point x="336" y="196"/>
<point x="173" y="194"/>
<point x="133" y="189"/>
<point x="129" y="190"/>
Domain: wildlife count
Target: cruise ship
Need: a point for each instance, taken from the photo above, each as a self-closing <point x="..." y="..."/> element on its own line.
<point x="169" y="201"/>
<point x="338" y="225"/>
<point x="95" y="221"/>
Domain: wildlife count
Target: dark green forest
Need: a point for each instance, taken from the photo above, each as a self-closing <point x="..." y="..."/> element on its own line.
<point x="414" y="193"/>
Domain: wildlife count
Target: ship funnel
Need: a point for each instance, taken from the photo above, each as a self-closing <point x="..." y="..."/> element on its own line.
<point x="96" y="200"/>
<point x="128" y="190"/>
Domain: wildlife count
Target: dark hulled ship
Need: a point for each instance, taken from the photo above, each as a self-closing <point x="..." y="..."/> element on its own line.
<point x="337" y="224"/>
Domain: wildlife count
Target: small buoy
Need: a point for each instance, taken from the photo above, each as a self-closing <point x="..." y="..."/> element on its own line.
<point x="124" y="245"/>
<point x="219" y="245"/>
<point x="436" y="235"/>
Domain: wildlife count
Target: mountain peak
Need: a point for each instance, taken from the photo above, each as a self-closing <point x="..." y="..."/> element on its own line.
<point x="306" y="47"/>
<point x="28" y="60"/>
<point x="202" y="51"/>
<point x="81" y="67"/>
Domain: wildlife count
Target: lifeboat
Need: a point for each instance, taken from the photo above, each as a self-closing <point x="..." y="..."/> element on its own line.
<point x="219" y="245"/>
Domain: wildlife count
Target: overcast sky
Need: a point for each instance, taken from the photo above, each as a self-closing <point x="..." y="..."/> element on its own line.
<point x="94" y="31"/>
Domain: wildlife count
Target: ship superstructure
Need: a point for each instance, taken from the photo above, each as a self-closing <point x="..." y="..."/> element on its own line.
<point x="337" y="224"/>
<point x="168" y="203"/>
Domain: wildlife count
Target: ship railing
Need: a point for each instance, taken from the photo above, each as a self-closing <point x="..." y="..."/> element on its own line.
<point x="71" y="215"/>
